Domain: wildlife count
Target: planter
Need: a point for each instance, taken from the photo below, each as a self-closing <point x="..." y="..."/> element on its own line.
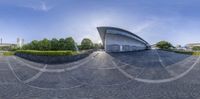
<point x="54" y="59"/>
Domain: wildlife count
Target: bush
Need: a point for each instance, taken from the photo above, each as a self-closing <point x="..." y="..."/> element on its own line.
<point x="47" y="53"/>
<point x="189" y="53"/>
<point x="8" y="53"/>
<point x="196" y="53"/>
<point x="196" y="48"/>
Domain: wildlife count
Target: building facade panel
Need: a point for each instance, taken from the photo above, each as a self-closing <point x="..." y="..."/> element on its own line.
<point x="118" y="40"/>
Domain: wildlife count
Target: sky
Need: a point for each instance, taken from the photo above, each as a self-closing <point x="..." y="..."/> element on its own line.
<point x="176" y="21"/>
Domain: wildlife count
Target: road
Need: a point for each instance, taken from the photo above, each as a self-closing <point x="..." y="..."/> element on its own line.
<point x="151" y="74"/>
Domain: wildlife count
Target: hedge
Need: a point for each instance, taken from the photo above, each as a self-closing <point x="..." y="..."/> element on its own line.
<point x="189" y="52"/>
<point x="48" y="53"/>
<point x="8" y="53"/>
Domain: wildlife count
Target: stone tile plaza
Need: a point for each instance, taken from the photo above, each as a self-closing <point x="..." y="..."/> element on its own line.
<point x="99" y="49"/>
<point x="133" y="75"/>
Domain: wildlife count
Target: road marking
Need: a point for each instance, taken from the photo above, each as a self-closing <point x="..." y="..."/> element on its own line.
<point x="36" y="76"/>
<point x="10" y="66"/>
<point x="52" y="70"/>
<point x="169" y="79"/>
<point x="122" y="71"/>
<point x="157" y="81"/>
<point x="160" y="60"/>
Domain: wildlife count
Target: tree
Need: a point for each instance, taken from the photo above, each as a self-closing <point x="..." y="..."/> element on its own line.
<point x="97" y="46"/>
<point x="70" y="44"/>
<point x="86" y="44"/>
<point x="44" y="45"/>
<point x="164" y="45"/>
<point x="196" y="48"/>
<point x="61" y="44"/>
<point x="34" y="45"/>
<point x="54" y="44"/>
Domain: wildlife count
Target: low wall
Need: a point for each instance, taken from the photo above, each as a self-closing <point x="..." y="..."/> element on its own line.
<point x="54" y="59"/>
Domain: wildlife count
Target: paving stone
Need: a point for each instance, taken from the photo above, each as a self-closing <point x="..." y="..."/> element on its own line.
<point x="101" y="79"/>
<point x="55" y="80"/>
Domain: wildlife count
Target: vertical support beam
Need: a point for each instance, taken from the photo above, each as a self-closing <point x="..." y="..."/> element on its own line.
<point x="121" y="48"/>
<point x="105" y="43"/>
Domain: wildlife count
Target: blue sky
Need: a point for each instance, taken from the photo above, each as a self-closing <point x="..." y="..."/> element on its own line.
<point x="177" y="21"/>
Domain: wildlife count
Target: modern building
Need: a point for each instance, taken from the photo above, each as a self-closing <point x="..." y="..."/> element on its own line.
<point x="20" y="42"/>
<point x="119" y="40"/>
<point x="191" y="45"/>
<point x="7" y="46"/>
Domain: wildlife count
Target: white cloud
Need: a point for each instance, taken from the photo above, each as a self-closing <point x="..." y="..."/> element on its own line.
<point x="43" y="7"/>
<point x="39" y="6"/>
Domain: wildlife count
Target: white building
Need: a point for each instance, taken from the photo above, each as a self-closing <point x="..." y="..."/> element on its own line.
<point x="191" y="45"/>
<point x="119" y="40"/>
<point x="6" y="46"/>
<point x="20" y="42"/>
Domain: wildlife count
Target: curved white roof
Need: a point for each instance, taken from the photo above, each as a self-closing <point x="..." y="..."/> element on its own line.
<point x="113" y="30"/>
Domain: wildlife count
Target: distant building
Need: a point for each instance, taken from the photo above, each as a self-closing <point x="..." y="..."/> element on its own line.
<point x="20" y="42"/>
<point x="180" y="48"/>
<point x="154" y="46"/>
<point x="7" y="46"/>
<point x="191" y="45"/>
<point x="119" y="40"/>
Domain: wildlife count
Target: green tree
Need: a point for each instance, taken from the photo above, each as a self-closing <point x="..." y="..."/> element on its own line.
<point x="70" y="44"/>
<point x="196" y="48"/>
<point x="97" y="46"/>
<point x="61" y="44"/>
<point x="54" y="44"/>
<point x="44" y="45"/>
<point x="34" y="45"/>
<point x="26" y="47"/>
<point x="164" y="45"/>
<point x="86" y="44"/>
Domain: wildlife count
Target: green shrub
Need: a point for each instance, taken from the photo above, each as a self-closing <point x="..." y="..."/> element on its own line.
<point x="189" y="53"/>
<point x="196" y="53"/>
<point x="196" y="48"/>
<point x="48" y="53"/>
<point x="8" y="53"/>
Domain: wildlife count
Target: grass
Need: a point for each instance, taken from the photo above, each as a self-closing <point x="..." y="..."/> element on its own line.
<point x="194" y="53"/>
<point x="48" y="53"/>
<point x="188" y="52"/>
<point x="8" y="53"/>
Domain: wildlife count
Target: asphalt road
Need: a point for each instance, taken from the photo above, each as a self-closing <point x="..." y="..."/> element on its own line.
<point x="151" y="74"/>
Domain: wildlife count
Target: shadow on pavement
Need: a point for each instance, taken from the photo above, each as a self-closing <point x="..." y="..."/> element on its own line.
<point x="149" y="58"/>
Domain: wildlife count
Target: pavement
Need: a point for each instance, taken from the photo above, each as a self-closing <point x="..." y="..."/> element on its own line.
<point x="151" y="74"/>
